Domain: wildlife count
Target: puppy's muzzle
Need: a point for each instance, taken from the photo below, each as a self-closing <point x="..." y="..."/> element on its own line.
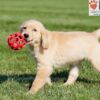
<point x="26" y="35"/>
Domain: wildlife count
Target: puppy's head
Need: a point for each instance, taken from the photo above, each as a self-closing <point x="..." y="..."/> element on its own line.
<point x="34" y="33"/>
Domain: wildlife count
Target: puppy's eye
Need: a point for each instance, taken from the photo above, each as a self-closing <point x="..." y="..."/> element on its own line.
<point x="24" y="27"/>
<point x="34" y="29"/>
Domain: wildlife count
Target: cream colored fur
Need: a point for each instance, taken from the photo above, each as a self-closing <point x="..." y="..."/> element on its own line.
<point x="53" y="49"/>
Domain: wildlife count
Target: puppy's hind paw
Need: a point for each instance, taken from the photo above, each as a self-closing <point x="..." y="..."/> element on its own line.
<point x="67" y="84"/>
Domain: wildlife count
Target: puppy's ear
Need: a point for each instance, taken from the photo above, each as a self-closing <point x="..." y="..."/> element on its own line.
<point x="45" y="41"/>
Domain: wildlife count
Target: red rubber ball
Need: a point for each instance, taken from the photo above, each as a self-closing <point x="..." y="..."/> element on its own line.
<point x="16" y="41"/>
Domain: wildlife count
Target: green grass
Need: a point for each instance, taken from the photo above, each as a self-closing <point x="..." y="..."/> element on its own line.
<point x="17" y="69"/>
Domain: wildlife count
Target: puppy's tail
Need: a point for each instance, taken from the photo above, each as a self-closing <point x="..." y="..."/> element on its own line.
<point x="97" y="33"/>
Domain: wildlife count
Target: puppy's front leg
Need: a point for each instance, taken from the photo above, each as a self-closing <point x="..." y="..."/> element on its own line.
<point x="41" y="78"/>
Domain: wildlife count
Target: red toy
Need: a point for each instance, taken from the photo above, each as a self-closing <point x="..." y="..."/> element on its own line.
<point x="16" y="41"/>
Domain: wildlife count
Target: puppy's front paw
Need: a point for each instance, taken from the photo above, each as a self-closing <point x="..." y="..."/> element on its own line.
<point x="30" y="92"/>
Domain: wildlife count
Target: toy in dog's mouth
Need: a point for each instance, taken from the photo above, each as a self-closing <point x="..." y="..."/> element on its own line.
<point x="16" y="41"/>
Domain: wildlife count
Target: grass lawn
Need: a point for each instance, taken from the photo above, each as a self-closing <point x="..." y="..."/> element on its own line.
<point x="17" y="69"/>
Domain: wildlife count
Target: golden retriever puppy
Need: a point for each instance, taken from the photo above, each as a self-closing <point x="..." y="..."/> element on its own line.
<point x="53" y="49"/>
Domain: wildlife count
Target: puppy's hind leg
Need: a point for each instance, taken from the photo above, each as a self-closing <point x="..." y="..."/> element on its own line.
<point x="73" y="75"/>
<point x="95" y="57"/>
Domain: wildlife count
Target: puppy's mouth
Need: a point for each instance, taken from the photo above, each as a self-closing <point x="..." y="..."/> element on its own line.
<point x="28" y="41"/>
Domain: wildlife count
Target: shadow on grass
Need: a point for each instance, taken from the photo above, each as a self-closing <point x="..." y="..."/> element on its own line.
<point x="28" y="78"/>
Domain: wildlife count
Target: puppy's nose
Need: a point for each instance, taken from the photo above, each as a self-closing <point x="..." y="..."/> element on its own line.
<point x="26" y="35"/>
